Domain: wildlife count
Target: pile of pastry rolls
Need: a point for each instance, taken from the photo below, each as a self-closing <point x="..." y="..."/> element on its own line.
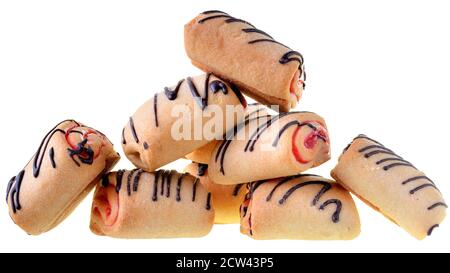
<point x="249" y="171"/>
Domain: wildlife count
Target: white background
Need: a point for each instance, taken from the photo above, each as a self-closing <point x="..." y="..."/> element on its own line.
<point x="379" y="68"/>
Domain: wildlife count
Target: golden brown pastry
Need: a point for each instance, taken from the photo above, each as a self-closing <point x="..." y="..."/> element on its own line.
<point x="266" y="70"/>
<point x="203" y="154"/>
<point x="267" y="147"/>
<point x="155" y="134"/>
<point x="303" y="206"/>
<point x="391" y="185"/>
<point x="163" y="204"/>
<point x="226" y="199"/>
<point x="68" y="162"/>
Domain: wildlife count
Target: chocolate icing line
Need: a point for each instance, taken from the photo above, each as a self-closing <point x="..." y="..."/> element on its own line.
<point x="155" y="109"/>
<point x="236" y="20"/>
<point x="51" y="154"/>
<point x="136" y="179"/>
<point x="208" y="201"/>
<point x="416" y="189"/>
<point x="124" y="142"/>
<point x="179" y="183"/>
<point x="255" y="30"/>
<point x="416" y="178"/>
<point x="236" y="189"/>
<point x="133" y="130"/>
<point x="119" y="176"/>
<point x="338" y="203"/>
<point x="390" y="166"/>
<point x="202" y="168"/>
<point x="437" y="204"/>
<point x="430" y="230"/>
<point x="194" y="189"/>
<point x="13" y="191"/>
<point x="173" y="94"/>
<point x="213" y="11"/>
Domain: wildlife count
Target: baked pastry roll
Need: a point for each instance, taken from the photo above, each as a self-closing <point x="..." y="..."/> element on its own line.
<point x="163" y="204"/>
<point x="203" y="154"/>
<point x="267" y="147"/>
<point x="64" y="169"/>
<point x="170" y="125"/>
<point x="391" y="185"/>
<point x="303" y="206"/>
<point x="266" y="70"/>
<point x="226" y="199"/>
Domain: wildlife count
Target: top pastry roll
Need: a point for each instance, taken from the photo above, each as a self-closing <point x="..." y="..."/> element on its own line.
<point x="235" y="50"/>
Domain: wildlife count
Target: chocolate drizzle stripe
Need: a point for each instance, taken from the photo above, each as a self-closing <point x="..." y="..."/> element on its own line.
<point x="179" y="183"/>
<point x="372" y="153"/>
<point x="14" y="192"/>
<point x="416" y="178"/>
<point x="173" y="94"/>
<point x="129" y="177"/>
<point x="169" y="181"/>
<point x="194" y="189"/>
<point x="430" y="230"/>
<point x="164" y="175"/>
<point x="119" y="176"/>
<point x="201" y="101"/>
<point x="137" y="177"/>
<point x="381" y="147"/>
<point x="390" y="166"/>
<point x="51" y="154"/>
<point x="438" y="204"/>
<point x="202" y="168"/>
<point x="236" y="189"/>
<point x="201" y="21"/>
<point x="124" y="142"/>
<point x="236" y="20"/>
<point x="238" y="94"/>
<point x="208" y="201"/>
<point x="266" y="40"/>
<point x="155" y="186"/>
<point x="105" y="180"/>
<point x="213" y="11"/>
<point x="338" y="203"/>
<point x="254" y="30"/>
<point x="416" y="189"/>
<point x="325" y="185"/>
<point x="155" y="109"/>
<point x="133" y="130"/>
<point x="391" y="159"/>
<point x="286" y="58"/>
<point x="9" y="186"/>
